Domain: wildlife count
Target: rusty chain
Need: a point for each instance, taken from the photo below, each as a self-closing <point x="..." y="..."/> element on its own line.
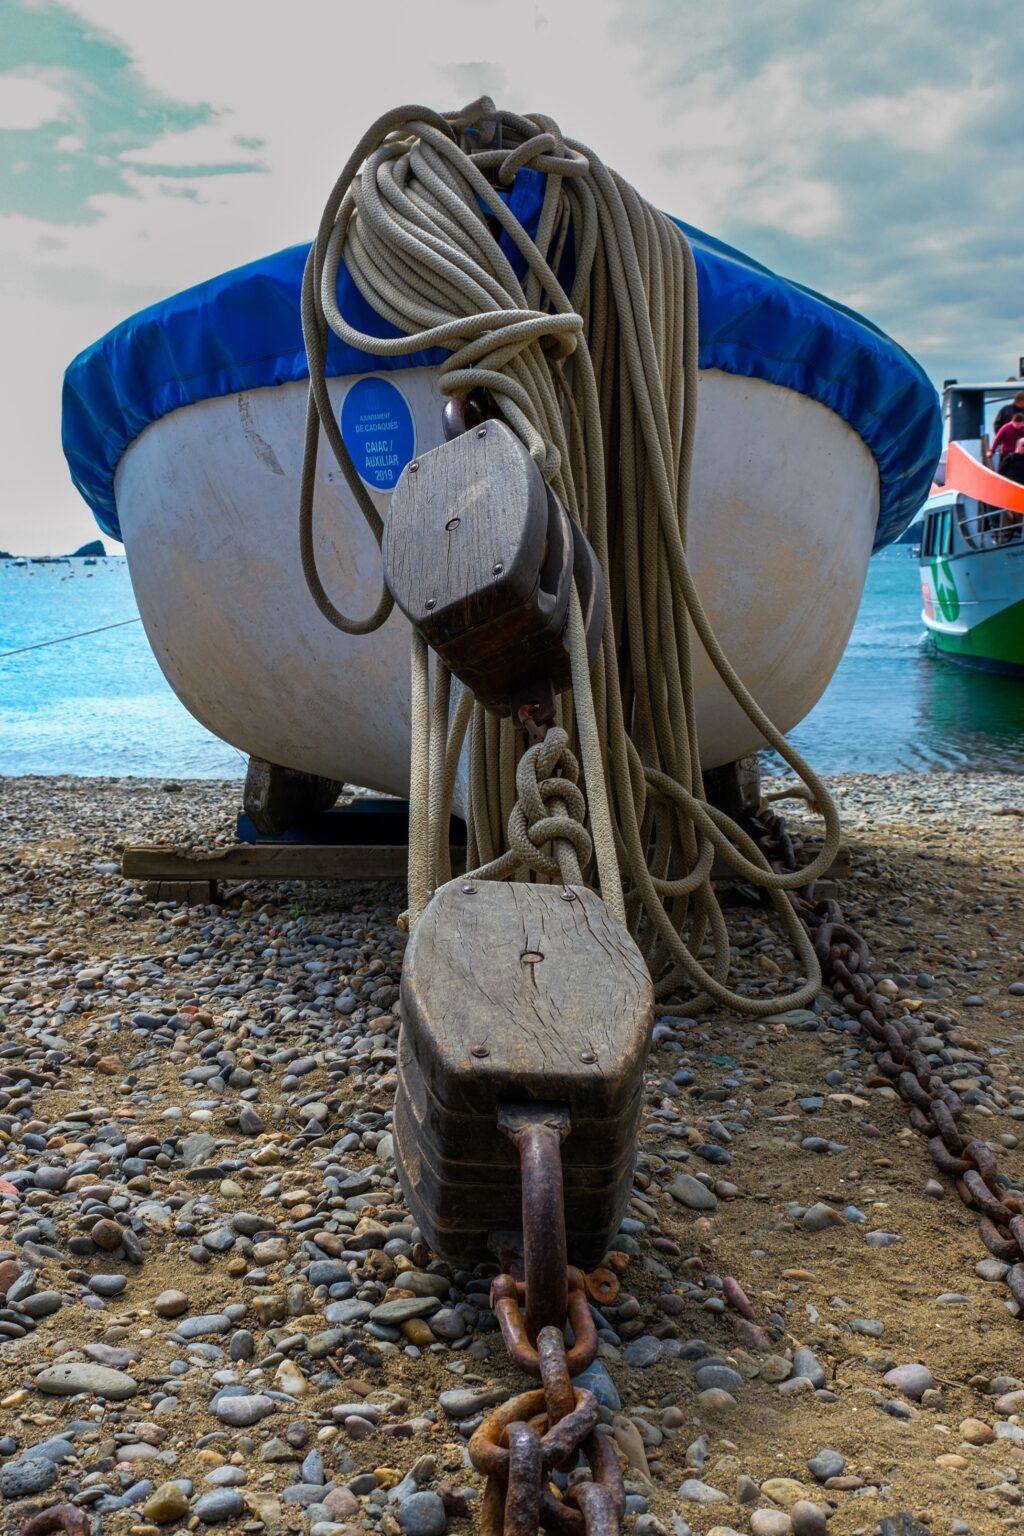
<point x="522" y="1442"/>
<point x="935" y="1107"/>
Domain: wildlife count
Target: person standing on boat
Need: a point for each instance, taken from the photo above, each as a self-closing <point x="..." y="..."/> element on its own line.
<point x="1009" y="440"/>
<point x="1006" y="413"/>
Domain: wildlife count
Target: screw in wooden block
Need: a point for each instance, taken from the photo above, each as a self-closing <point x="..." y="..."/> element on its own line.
<point x="588" y="1057"/>
<point x="479" y="1050"/>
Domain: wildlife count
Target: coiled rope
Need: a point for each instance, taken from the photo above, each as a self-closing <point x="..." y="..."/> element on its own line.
<point x="600" y="383"/>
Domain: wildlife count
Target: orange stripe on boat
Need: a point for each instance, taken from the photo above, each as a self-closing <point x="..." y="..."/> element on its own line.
<point x="965" y="474"/>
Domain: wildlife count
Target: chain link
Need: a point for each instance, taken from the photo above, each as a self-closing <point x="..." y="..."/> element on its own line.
<point x="519" y="1445"/>
<point x="935" y="1107"/>
<point x="523" y="1441"/>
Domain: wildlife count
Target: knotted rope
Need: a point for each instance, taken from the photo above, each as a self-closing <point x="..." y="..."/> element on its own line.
<point x="598" y="378"/>
<point x="549" y="810"/>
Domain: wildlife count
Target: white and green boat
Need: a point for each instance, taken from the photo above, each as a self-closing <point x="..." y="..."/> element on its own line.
<point x="972" y="540"/>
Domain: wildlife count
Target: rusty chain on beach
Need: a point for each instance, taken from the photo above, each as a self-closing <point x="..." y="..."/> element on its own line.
<point x="935" y="1107"/>
<point x="521" y="1443"/>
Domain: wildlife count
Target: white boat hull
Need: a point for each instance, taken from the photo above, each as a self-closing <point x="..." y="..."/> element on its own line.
<point x="783" y="515"/>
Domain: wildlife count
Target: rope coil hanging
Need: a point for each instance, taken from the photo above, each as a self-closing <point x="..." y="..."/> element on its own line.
<point x="600" y="384"/>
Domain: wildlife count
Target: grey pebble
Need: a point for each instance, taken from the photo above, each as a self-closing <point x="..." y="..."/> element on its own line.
<point x="597" y="1380"/>
<point x="99" y="1380"/>
<point x="351" y="1311"/>
<point x="242" y="1345"/>
<point x="226" y="1477"/>
<point x="243" y="1412"/>
<point x="31" y="1474"/>
<point x="218" y="1505"/>
<point x="692" y="1193"/>
<point x="912" y="1380"/>
<point x="464" y="1402"/>
<point x="422" y="1514"/>
<point x="713" y="1373"/>
<point x="200" y="1327"/>
<point x="827" y="1464"/>
<point x="303" y="1494"/>
<point x="697" y="1492"/>
<point x="448" y="1324"/>
<point x="806" y="1363"/>
<point x="108" y="1285"/>
<point x="402" y="1310"/>
<point x="42" y="1304"/>
<point x="818" y="1217"/>
<point x="642" y="1352"/>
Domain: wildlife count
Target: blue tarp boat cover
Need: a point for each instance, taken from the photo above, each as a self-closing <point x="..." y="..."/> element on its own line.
<point x="242" y="331"/>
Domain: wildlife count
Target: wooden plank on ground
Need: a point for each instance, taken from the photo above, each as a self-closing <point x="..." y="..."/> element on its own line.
<point x="271" y="861"/>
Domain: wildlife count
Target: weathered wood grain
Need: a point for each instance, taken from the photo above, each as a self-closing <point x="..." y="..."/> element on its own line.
<point x="478" y="554"/>
<point x="473" y="505"/>
<point x="554" y="990"/>
<point x="514" y="993"/>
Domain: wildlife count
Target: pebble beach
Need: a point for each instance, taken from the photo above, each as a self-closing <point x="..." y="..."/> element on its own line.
<point x="216" y="1311"/>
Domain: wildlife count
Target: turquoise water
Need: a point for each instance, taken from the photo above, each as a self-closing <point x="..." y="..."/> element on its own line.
<point x="99" y="704"/>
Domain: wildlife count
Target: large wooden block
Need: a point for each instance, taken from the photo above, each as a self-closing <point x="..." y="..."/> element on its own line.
<point x="516" y="993"/>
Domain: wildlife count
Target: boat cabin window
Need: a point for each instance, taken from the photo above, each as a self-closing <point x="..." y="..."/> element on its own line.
<point x="965" y="415"/>
<point x="938" y="534"/>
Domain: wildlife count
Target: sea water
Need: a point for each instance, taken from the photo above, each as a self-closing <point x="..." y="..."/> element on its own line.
<point x="100" y="705"/>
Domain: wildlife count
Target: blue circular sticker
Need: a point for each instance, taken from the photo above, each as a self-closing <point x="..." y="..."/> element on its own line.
<point x="377" y="426"/>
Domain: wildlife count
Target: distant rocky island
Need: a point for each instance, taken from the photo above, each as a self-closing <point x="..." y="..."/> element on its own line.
<point x="94" y="550"/>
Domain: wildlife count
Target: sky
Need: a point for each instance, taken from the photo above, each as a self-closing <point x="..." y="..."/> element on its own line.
<point x="865" y="149"/>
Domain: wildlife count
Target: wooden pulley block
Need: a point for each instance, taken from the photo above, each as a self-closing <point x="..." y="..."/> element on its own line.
<point x="479" y="555"/>
<point x="517" y="994"/>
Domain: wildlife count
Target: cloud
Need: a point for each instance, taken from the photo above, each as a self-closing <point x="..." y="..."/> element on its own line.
<point x="867" y="151"/>
<point x="202" y="150"/>
<point x="29" y="101"/>
<point x="75" y="110"/>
